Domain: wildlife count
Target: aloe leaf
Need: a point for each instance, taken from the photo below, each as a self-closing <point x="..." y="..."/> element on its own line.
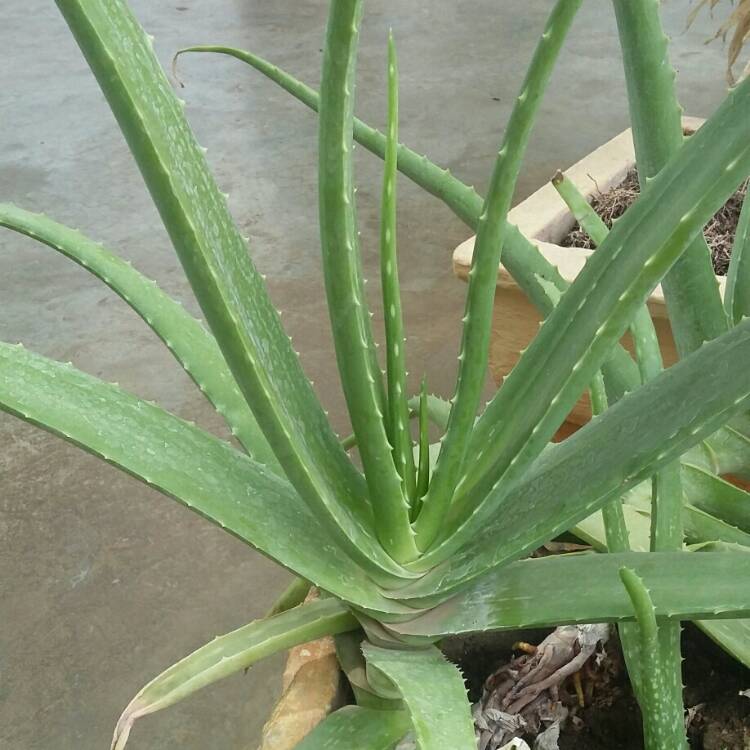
<point x="727" y="451"/>
<point x="641" y="327"/>
<point x="642" y="432"/>
<point x="690" y="288"/>
<point x="666" y="531"/>
<point x="716" y="496"/>
<point x="398" y="410"/>
<point x="352" y="662"/>
<point x="731" y="635"/>
<point x="293" y="595"/>
<point x="661" y="705"/>
<point x="361" y="728"/>
<point x="699" y="525"/>
<point x="191" y="344"/>
<point x="593" y="314"/>
<point x="195" y="468"/>
<point x="585" y="587"/>
<point x="613" y="516"/>
<point x="433" y="692"/>
<point x="438" y="408"/>
<point x="667" y="489"/>
<point x="480" y="297"/>
<point x="539" y="279"/>
<point x="424" y="444"/>
<point x="737" y="290"/>
<point x="236" y="651"/>
<point x="350" y="320"/>
<point x="229" y="289"/>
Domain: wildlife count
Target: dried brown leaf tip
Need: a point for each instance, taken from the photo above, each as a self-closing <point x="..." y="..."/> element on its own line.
<point x="738" y="23"/>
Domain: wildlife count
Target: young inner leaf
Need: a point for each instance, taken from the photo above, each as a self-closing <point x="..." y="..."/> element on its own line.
<point x="398" y="410"/>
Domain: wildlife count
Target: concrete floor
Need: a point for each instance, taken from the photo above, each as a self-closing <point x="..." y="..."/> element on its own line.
<point x="104" y="583"/>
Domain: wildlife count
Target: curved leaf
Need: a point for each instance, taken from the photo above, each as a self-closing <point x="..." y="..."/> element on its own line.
<point x="191" y="344"/>
<point x="433" y="692"/>
<point x="195" y="468"/>
<point x="354" y="728"/>
<point x="226" y="284"/>
<point x="690" y="289"/>
<point x="660" y="687"/>
<point x="716" y="496"/>
<point x="399" y="433"/>
<point x="480" y="298"/>
<point x="585" y="588"/>
<point x="737" y="291"/>
<point x="629" y="442"/>
<point x="236" y="651"/>
<point x="347" y="306"/>
<point x="576" y="338"/>
<point x="538" y="278"/>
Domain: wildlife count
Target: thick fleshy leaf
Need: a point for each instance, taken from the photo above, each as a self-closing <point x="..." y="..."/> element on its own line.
<point x="628" y="443"/>
<point x="399" y="433"/>
<point x="347" y="305"/>
<point x="433" y="692"/>
<point x="291" y="596"/>
<point x="659" y="684"/>
<point x="229" y="289"/>
<point x="690" y="288"/>
<point x="192" y="345"/>
<point x="352" y="662"/>
<point x="236" y="651"/>
<point x="354" y="728"/>
<point x="535" y="275"/>
<point x="480" y="297"/>
<point x="594" y="313"/>
<point x="581" y="588"/>
<point x="197" y="469"/>
<point x="716" y="496"/>
<point x="732" y="635"/>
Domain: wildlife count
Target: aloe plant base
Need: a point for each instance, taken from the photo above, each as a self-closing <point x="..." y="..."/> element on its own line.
<point x="314" y="686"/>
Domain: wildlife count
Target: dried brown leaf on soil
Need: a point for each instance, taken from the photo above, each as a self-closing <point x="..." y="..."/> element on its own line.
<point x="522" y="699"/>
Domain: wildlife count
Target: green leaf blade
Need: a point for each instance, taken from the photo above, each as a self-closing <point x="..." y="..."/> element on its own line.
<point x="582" y="588"/>
<point x="737" y="291"/>
<point x="434" y="694"/>
<point x="535" y="275"/>
<point x="690" y="288"/>
<point x="576" y="338"/>
<point x="195" y="468"/>
<point x="480" y="298"/>
<point x="658" y="423"/>
<point x="361" y="728"/>
<point x="231" y="653"/>
<point x="398" y="410"/>
<point x="191" y="344"/>
<point x="229" y="289"/>
<point x="350" y="321"/>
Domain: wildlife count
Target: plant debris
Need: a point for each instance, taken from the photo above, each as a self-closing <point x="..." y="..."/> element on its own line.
<point x="524" y="699"/>
<point x="716" y="698"/>
<point x="719" y="232"/>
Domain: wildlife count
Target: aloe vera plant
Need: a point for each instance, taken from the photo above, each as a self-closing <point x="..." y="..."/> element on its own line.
<point x="428" y="541"/>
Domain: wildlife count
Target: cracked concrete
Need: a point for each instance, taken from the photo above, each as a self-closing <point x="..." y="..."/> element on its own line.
<point x="104" y="582"/>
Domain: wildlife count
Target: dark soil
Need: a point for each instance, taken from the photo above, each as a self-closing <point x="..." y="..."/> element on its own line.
<point x="610" y="720"/>
<point x="719" y="232"/>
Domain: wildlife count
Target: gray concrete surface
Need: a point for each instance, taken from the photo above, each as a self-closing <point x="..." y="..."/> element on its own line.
<point x="103" y="582"/>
